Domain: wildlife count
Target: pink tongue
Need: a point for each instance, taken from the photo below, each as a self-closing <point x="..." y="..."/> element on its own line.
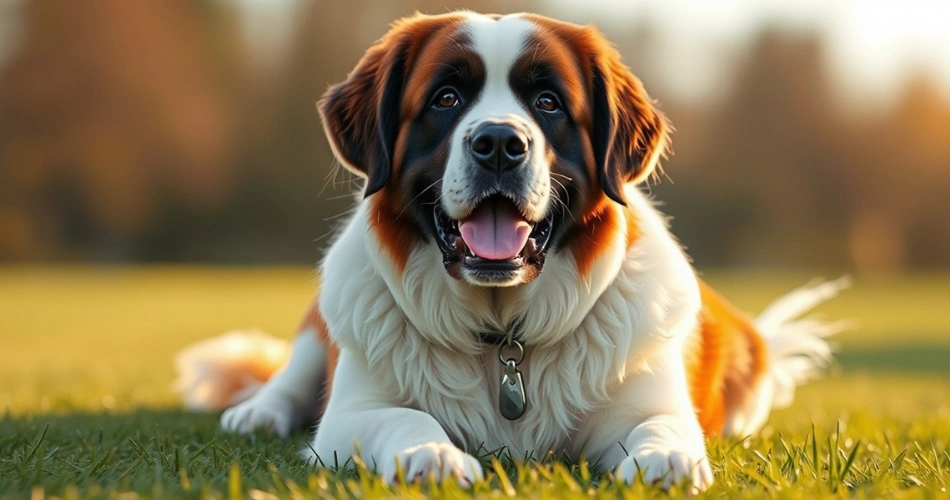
<point x="495" y="230"/>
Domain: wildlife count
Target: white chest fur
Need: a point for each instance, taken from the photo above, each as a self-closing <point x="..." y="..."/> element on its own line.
<point x="584" y="335"/>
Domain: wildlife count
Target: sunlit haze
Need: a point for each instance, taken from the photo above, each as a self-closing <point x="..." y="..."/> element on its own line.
<point x="873" y="46"/>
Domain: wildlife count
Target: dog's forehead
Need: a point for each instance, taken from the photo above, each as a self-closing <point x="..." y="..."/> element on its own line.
<point x="526" y="48"/>
<point x="499" y="41"/>
<point x="516" y="45"/>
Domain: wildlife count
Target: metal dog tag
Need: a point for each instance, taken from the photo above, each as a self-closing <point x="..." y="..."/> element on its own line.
<point x="511" y="400"/>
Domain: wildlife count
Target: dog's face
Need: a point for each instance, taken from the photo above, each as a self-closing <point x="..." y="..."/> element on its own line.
<point x="497" y="139"/>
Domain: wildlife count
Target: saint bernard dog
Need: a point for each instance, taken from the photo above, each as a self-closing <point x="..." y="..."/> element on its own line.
<point x="503" y="282"/>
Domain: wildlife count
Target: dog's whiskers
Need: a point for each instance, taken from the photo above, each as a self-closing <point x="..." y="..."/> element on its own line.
<point x="562" y="204"/>
<point x="416" y="197"/>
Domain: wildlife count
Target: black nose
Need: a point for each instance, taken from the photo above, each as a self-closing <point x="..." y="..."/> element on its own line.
<point x="498" y="147"/>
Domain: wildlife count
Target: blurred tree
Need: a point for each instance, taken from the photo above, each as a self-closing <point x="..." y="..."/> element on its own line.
<point x="753" y="190"/>
<point x="109" y="111"/>
<point x="780" y="174"/>
<point x="897" y="172"/>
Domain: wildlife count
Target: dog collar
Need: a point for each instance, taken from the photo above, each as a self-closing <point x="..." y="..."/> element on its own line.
<point x="492" y="338"/>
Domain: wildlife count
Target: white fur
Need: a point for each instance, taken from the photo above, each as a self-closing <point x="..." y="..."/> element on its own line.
<point x="410" y="352"/>
<point x="290" y="397"/>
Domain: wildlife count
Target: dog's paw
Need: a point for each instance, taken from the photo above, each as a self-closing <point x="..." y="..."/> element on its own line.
<point x="261" y="411"/>
<point x="440" y="459"/>
<point x="666" y="469"/>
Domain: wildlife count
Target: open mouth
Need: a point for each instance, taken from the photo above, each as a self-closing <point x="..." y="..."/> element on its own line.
<point x="494" y="242"/>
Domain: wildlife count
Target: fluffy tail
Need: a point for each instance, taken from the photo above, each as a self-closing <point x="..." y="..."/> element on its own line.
<point x="220" y="372"/>
<point x="797" y="347"/>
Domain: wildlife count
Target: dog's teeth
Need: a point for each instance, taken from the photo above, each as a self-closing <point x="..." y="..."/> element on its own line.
<point x="531" y="247"/>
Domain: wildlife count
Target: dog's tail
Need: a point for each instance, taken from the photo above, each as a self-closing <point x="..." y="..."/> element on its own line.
<point x="220" y="372"/>
<point x="798" y="351"/>
<point x="797" y="347"/>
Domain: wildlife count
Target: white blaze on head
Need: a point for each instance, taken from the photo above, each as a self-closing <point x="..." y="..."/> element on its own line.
<point x="499" y="43"/>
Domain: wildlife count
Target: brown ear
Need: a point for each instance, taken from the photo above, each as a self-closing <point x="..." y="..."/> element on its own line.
<point x="630" y="134"/>
<point x="361" y="114"/>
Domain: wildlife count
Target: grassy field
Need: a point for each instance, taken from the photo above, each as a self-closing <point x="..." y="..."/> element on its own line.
<point x="86" y="409"/>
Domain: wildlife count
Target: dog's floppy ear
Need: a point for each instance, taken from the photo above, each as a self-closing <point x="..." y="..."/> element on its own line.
<point x="630" y="134"/>
<point x="361" y="114"/>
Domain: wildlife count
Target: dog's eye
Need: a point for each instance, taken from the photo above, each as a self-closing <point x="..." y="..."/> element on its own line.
<point x="547" y="102"/>
<point x="445" y="98"/>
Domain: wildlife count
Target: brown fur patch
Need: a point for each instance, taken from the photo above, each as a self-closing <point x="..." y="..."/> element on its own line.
<point x="725" y="361"/>
<point x="549" y="50"/>
<point x="360" y="114"/>
<point x="396" y="233"/>
<point x="638" y="132"/>
<point x="593" y="234"/>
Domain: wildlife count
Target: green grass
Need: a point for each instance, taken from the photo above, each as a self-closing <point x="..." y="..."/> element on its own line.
<point x="87" y="410"/>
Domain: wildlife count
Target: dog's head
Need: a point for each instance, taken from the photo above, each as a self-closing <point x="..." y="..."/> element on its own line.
<point x="498" y="139"/>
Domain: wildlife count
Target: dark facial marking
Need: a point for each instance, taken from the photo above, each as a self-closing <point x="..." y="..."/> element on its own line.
<point x="450" y="76"/>
<point x="547" y="81"/>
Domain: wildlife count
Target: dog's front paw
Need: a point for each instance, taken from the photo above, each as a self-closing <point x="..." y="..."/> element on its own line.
<point x="440" y="459"/>
<point x="262" y="411"/>
<point x="667" y="468"/>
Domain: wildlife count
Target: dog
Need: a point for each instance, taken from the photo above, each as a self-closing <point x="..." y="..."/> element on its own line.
<point x="503" y="281"/>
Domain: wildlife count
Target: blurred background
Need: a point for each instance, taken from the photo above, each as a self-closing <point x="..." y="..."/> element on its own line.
<point x="810" y="134"/>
